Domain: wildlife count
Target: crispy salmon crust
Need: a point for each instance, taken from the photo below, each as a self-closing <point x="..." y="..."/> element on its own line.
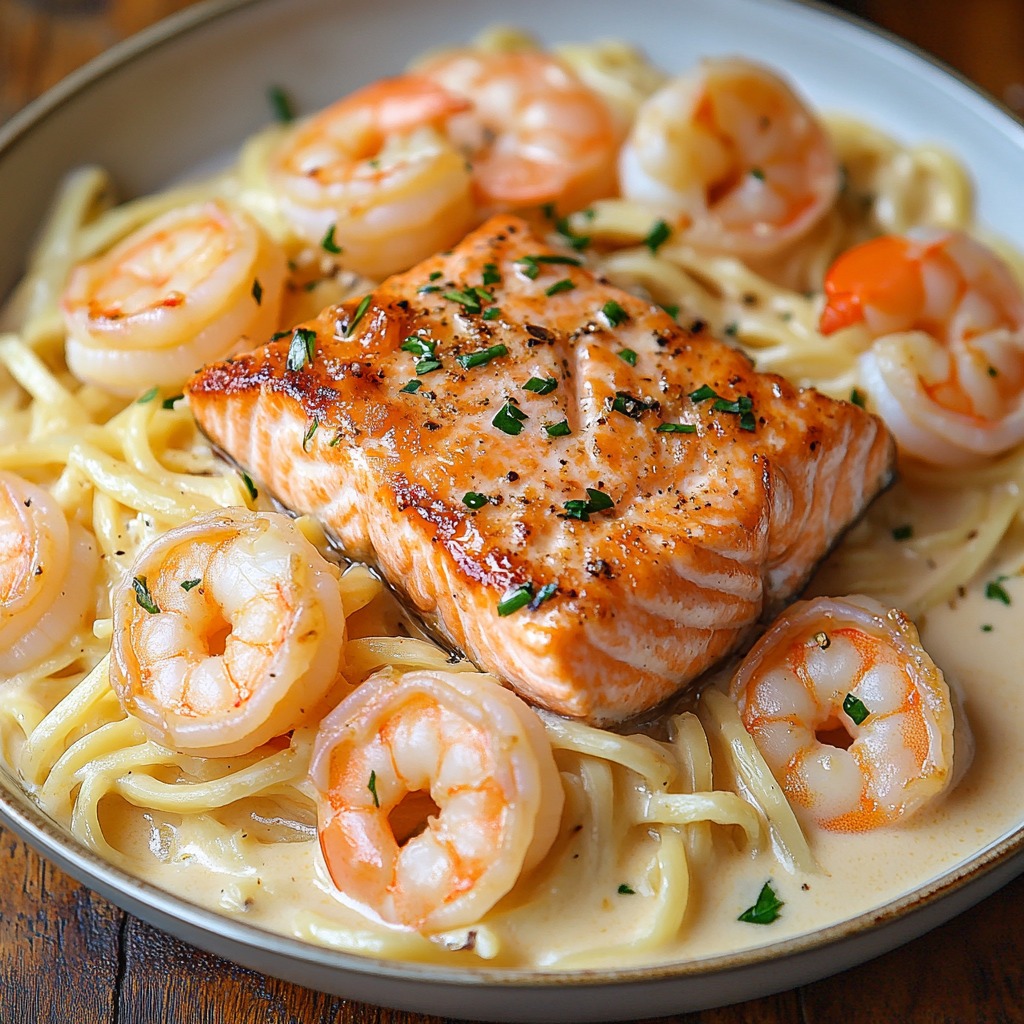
<point x="596" y="613"/>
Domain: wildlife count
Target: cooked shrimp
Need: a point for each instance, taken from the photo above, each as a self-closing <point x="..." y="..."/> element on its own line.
<point x="946" y="367"/>
<point x="853" y="718"/>
<point x="228" y="631"/>
<point x="41" y="553"/>
<point x="377" y="169"/>
<point x="534" y="133"/>
<point x="734" y="157"/>
<point x="197" y="284"/>
<point x="483" y="758"/>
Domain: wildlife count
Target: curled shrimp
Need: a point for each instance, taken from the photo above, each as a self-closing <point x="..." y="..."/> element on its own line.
<point x="945" y="370"/>
<point x="47" y="566"/>
<point x="852" y="716"/>
<point x="377" y="169"/>
<point x="228" y="631"/>
<point x="482" y="757"/>
<point x="188" y="288"/>
<point x="533" y="134"/>
<point x="734" y="157"/>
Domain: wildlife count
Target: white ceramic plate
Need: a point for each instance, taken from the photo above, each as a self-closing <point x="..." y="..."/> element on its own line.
<point x="191" y="90"/>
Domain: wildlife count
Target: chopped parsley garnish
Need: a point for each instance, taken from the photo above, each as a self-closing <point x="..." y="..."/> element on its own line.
<point x="257" y="291"/>
<point x="672" y="310"/>
<point x="169" y="403"/>
<point x="627" y="355"/>
<point x="491" y="274"/>
<point x="493" y="313"/>
<point x="530" y="266"/>
<point x="855" y="708"/>
<point x="435" y="275"/>
<point x="426" y="365"/>
<point x="742" y="407"/>
<point x="281" y="104"/>
<point x="419" y="346"/>
<point x="360" y="312"/>
<point x="541" y="385"/>
<point x="249" y="485"/>
<point x="995" y="591"/>
<point x="372" y="787"/>
<point x="756" y="172"/>
<point x="429" y="289"/>
<point x="308" y="436"/>
<point x="625" y="890"/>
<point x="573" y="240"/>
<point x="560" y="429"/>
<point x="993" y="372"/>
<point x="657" y="236"/>
<point x="302" y="349"/>
<point x="597" y="501"/>
<point x="515" y="598"/>
<point x="857" y="398"/>
<point x="703" y="393"/>
<point x="474" y="499"/>
<point x="187" y="585"/>
<point x="482" y="357"/>
<point x="903" y="532"/>
<point x="544" y="594"/>
<point x="631" y="406"/>
<point x="614" y="313"/>
<point x="328" y="243"/>
<point x="564" y="285"/>
<point x="675" y="428"/>
<point x="731" y="329"/>
<point x="509" y="418"/>
<point x="469" y="299"/>
<point x="147" y="396"/>
<point x="987" y="628"/>
<point x="143" y="596"/>
<point x="412" y="387"/>
<point x="334" y="440"/>
<point x="765" y="910"/>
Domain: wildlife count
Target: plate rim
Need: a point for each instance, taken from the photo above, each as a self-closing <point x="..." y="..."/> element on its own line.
<point x="995" y="865"/>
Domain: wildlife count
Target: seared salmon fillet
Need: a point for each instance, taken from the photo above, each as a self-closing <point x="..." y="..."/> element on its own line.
<point x="590" y="500"/>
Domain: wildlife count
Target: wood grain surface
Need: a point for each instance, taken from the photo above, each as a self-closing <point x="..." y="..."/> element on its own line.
<point x="66" y="954"/>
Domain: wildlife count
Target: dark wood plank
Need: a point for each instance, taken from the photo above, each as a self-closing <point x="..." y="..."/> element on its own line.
<point x="59" y="943"/>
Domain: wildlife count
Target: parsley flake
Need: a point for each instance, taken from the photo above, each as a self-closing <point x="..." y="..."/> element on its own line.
<point x="481" y="357"/>
<point x="372" y="787"/>
<point x="631" y="406"/>
<point x="419" y="346"/>
<point x="541" y="385"/>
<point x="597" y="501"/>
<point x="328" y="243"/>
<point x="469" y="299"/>
<point x="675" y="428"/>
<point x="412" y="387"/>
<point x="427" y="365"/>
<point x="364" y="305"/>
<point x="560" y="429"/>
<point x="564" y="285"/>
<point x="301" y="350"/>
<point x="257" y="291"/>
<point x="147" y="396"/>
<point x="995" y="591"/>
<point x="515" y="598"/>
<point x="281" y="104"/>
<point x="903" y="532"/>
<point x="766" y="909"/>
<point x="187" y="585"/>
<point x="529" y="266"/>
<point x="545" y="593"/>
<point x="627" y="355"/>
<point x="857" y="398"/>
<point x="143" y="596"/>
<point x="474" y="499"/>
<point x="491" y="274"/>
<point x="657" y="236"/>
<point x="625" y="890"/>
<point x="509" y="418"/>
<point x="493" y="313"/>
<point x="757" y="172"/>
<point x="614" y="313"/>
<point x="169" y="403"/>
<point x="855" y="708"/>
<point x="249" y="485"/>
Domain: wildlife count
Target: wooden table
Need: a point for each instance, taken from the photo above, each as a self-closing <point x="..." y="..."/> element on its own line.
<point x="68" y="955"/>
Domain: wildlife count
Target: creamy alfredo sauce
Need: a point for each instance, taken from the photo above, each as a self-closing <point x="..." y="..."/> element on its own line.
<point x="286" y="889"/>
